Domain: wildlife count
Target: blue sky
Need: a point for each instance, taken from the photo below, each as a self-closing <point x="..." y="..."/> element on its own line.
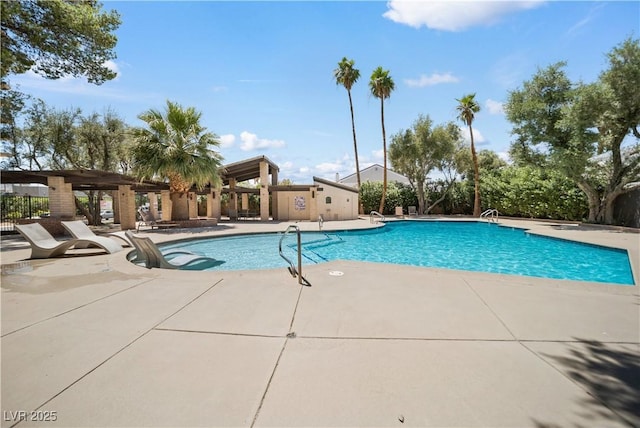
<point x="261" y="72"/>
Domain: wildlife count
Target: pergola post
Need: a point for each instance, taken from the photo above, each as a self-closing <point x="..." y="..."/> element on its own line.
<point x="233" y="199"/>
<point x="193" y="204"/>
<point x="245" y="202"/>
<point x="62" y="203"/>
<point x="214" y="203"/>
<point x="165" y="196"/>
<point x="264" y="191"/>
<point x="126" y="207"/>
<point x="153" y="204"/>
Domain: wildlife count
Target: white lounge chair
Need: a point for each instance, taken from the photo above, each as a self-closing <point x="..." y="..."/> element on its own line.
<point x="43" y="245"/>
<point x="413" y="211"/>
<point x="79" y="230"/>
<point x="148" y="219"/>
<point x="149" y="253"/>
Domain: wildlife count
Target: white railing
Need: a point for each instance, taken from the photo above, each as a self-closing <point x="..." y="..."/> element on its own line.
<point x="320" y="221"/>
<point x="491" y="215"/>
<point x="374" y="215"/>
<point x="292" y="269"/>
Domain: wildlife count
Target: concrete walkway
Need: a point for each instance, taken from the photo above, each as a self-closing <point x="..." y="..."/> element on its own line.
<point x="92" y="340"/>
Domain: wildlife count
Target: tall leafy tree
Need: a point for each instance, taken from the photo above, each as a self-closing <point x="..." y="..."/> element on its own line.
<point x="589" y="132"/>
<point x="418" y="151"/>
<point x="12" y="105"/>
<point x="346" y="75"/>
<point x="467" y="109"/>
<point x="55" y="38"/>
<point x="381" y="85"/>
<point x="176" y="147"/>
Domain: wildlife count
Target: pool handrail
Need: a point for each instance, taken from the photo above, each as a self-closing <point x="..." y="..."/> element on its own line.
<point x="376" y="213"/>
<point x="292" y="269"/>
<point x="491" y="215"/>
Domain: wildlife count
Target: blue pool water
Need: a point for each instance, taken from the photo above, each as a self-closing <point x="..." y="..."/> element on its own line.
<point x="473" y="246"/>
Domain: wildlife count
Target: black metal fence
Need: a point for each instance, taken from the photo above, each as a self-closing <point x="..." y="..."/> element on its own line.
<point x="16" y="207"/>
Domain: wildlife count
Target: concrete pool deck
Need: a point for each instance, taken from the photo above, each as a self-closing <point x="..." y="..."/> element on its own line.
<point x="92" y="340"/>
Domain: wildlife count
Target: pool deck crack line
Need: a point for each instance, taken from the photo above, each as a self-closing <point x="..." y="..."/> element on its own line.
<point x="275" y="368"/>
<point x="266" y="389"/>
<point x="77" y="307"/>
<point x="121" y="349"/>
<point x="222" y="333"/>
<point x="473" y="290"/>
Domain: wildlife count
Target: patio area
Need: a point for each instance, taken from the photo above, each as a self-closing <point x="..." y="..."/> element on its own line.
<point x="92" y="340"/>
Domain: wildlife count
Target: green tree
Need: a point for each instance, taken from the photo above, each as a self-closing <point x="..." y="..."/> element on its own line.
<point x="418" y="151"/>
<point x="176" y="147"/>
<point x="55" y="38"/>
<point x="530" y="191"/>
<point x="346" y="75"/>
<point x="12" y="104"/>
<point x="398" y="194"/>
<point x="584" y="130"/>
<point x="467" y="108"/>
<point x="381" y="86"/>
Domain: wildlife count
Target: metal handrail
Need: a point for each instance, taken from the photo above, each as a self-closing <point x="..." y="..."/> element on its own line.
<point x="375" y="213"/>
<point x="292" y="269"/>
<point x="320" y="221"/>
<point x="491" y="214"/>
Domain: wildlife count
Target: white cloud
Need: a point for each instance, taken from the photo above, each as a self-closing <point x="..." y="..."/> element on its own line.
<point x="227" y="140"/>
<point x="577" y="27"/>
<point x="509" y="71"/>
<point x="378" y="154"/>
<point x="219" y="88"/>
<point x="434" y="79"/>
<point x="478" y="138"/>
<point x="504" y="156"/>
<point x="78" y="86"/>
<point x="327" y="167"/>
<point x="453" y="15"/>
<point x="494" y="107"/>
<point x="252" y="142"/>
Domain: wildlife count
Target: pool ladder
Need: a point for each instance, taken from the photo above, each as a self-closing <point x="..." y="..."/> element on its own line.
<point x="491" y="215"/>
<point x="377" y="215"/>
<point x="292" y="269"/>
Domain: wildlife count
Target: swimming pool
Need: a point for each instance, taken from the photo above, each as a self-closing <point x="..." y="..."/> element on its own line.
<point x="473" y="246"/>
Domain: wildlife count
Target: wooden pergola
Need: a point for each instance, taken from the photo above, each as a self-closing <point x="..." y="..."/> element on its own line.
<point x="63" y="183"/>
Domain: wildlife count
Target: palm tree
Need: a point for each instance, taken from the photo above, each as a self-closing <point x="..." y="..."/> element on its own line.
<point x="346" y="75"/>
<point x="467" y="108"/>
<point x="177" y="148"/>
<point x="381" y="85"/>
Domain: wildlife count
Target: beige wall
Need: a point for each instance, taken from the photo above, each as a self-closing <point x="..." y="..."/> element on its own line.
<point x="287" y="209"/>
<point x="343" y="206"/>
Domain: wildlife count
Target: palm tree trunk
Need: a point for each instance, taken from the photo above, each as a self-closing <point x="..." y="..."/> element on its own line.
<point x="179" y="188"/>
<point x="421" y="196"/>
<point x="384" y="153"/>
<point x="355" y="150"/>
<point x="476" y="178"/>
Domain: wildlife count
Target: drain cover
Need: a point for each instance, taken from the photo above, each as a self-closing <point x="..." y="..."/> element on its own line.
<point x="336" y="273"/>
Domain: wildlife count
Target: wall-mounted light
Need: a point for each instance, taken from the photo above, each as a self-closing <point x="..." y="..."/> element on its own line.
<point x="52" y="188"/>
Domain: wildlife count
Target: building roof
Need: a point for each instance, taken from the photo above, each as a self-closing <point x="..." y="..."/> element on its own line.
<point x="84" y="180"/>
<point x="351" y="178"/>
<point x="334" y="184"/>
<point x="247" y="169"/>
